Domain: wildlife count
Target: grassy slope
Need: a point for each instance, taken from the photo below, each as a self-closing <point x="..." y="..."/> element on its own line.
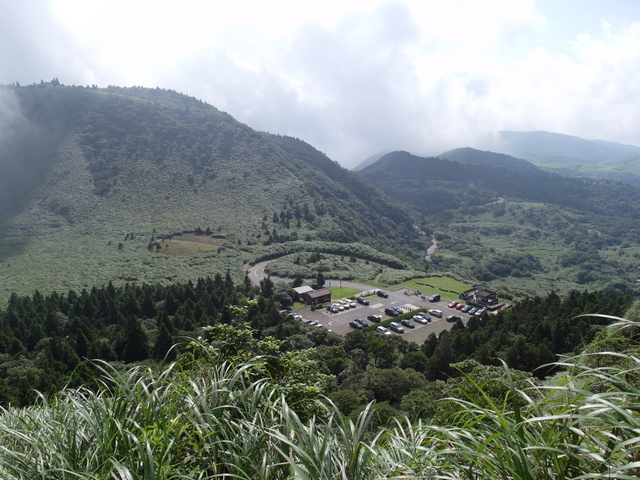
<point x="147" y="162"/>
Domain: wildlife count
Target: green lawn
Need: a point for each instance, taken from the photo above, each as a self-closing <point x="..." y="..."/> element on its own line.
<point x="342" y="292"/>
<point x="441" y="285"/>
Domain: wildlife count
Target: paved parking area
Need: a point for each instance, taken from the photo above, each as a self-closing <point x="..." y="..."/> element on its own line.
<point x="339" y="322"/>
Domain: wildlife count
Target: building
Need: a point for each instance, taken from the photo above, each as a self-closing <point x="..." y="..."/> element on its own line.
<point x="316" y="297"/>
<point x="301" y="291"/>
<point x="480" y="296"/>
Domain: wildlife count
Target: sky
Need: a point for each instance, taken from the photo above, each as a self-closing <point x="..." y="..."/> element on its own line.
<point x="352" y="77"/>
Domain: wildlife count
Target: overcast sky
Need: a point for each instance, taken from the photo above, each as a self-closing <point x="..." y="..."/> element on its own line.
<point x="353" y="77"/>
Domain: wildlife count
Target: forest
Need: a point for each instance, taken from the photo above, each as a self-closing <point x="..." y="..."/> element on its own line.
<point x="46" y="340"/>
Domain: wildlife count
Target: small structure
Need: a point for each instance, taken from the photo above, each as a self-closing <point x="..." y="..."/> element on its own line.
<point x="316" y="297"/>
<point x="302" y="290"/>
<point x="480" y="296"/>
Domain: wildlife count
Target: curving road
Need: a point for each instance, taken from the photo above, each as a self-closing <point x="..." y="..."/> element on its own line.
<point x="256" y="274"/>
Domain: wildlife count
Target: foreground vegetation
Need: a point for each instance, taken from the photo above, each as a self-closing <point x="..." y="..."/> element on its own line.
<point x="44" y="339"/>
<point x="204" y="418"/>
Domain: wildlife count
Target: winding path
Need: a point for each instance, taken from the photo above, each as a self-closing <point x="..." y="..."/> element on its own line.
<point x="256" y="274"/>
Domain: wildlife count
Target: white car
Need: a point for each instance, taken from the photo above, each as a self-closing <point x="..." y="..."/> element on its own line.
<point x="421" y="318"/>
<point x="436" y="313"/>
<point x="383" y="330"/>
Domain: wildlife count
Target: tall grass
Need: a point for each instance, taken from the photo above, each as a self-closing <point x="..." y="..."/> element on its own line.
<point x="222" y="423"/>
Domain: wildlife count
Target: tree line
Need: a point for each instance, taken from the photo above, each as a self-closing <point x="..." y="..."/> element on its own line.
<point x="45" y="339"/>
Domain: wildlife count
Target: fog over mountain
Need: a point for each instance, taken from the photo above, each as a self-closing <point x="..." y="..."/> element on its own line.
<point x="353" y="77"/>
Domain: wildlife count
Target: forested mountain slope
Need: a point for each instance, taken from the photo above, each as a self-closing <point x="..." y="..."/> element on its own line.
<point x="90" y="177"/>
<point x="529" y="231"/>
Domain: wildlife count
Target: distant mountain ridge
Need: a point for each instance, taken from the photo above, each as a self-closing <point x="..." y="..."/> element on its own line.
<point x="546" y="146"/>
<point x="572" y="156"/>
<point x="480" y="157"/>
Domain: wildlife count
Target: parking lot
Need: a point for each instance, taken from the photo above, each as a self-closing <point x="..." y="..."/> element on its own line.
<point x="339" y="322"/>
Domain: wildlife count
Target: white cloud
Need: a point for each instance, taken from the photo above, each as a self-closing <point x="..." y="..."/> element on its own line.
<point x="352" y="77"/>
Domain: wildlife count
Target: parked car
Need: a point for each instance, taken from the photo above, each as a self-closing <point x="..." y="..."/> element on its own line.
<point x="356" y="325"/>
<point x="422" y="318"/>
<point x="472" y="310"/>
<point x="362" y="301"/>
<point x="382" y="293"/>
<point x="466" y="308"/>
<point x="436" y="313"/>
<point x="434" y="298"/>
<point x="383" y="330"/>
<point x="460" y="306"/>
<point x="396" y="327"/>
<point x="407" y="323"/>
<point x="374" y="318"/>
<point x="352" y="304"/>
<point x="453" y="318"/>
<point x="480" y="312"/>
<point x="392" y="311"/>
<point x="362" y="322"/>
<point x="453" y="304"/>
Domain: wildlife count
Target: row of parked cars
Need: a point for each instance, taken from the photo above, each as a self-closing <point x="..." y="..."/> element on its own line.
<point x="305" y="321"/>
<point x="342" y="305"/>
<point x="467" y="308"/>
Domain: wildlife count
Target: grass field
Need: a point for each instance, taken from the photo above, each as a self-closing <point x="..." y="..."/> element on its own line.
<point x="190" y="244"/>
<point x="440" y="285"/>
<point x="342" y="292"/>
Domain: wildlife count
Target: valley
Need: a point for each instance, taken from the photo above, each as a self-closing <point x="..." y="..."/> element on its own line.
<point x="101" y="182"/>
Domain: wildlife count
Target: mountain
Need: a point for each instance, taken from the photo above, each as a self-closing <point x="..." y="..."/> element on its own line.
<point x="369" y="160"/>
<point x="561" y="148"/>
<point x="572" y="156"/>
<point x="527" y="231"/>
<point x="91" y="178"/>
<point x="480" y="157"/>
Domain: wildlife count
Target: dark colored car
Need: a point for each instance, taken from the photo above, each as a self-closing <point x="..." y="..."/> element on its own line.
<point x="453" y="318"/>
<point x="392" y="311"/>
<point x="374" y="318"/>
<point x="362" y="322"/>
<point x="407" y="323"/>
<point x="383" y="294"/>
<point x="362" y="301"/>
<point x="356" y="325"/>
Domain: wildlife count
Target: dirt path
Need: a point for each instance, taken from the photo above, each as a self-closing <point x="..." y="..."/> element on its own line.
<point x="431" y="250"/>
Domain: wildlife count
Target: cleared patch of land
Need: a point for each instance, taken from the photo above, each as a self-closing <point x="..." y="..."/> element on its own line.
<point x="188" y="244"/>
<point x="433" y="285"/>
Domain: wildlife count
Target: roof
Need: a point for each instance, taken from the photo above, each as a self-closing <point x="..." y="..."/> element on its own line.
<point x="303" y="289"/>
<point x="319" y="293"/>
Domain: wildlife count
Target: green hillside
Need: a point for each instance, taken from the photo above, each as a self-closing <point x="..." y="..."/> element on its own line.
<point x="93" y="177"/>
<point x="479" y="157"/>
<point x="521" y="232"/>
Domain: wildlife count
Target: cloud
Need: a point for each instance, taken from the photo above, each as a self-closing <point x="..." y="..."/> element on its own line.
<point x="351" y="77"/>
<point x="11" y="118"/>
